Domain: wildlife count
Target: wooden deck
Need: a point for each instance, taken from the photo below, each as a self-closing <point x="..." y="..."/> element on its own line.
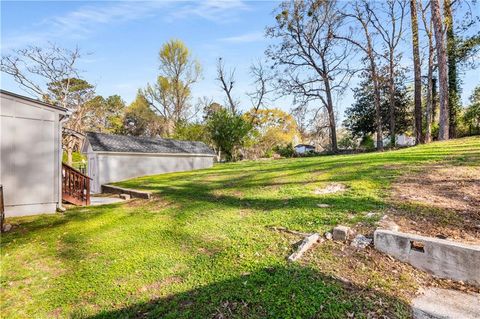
<point x="75" y="186"/>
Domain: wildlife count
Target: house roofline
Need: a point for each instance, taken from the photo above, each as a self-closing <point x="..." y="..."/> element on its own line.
<point x="86" y="144"/>
<point x="29" y="99"/>
<point x="153" y="154"/>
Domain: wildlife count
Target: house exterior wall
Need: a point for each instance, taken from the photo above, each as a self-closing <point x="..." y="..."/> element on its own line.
<point x="303" y="149"/>
<point x="114" y="167"/>
<point x="30" y="158"/>
<point x="400" y="140"/>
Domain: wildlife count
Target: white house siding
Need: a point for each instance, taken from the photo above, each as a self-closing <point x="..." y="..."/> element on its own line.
<point x="30" y="156"/>
<point x="300" y="149"/>
<point x="400" y="140"/>
<point x="114" y="167"/>
<point x="303" y="149"/>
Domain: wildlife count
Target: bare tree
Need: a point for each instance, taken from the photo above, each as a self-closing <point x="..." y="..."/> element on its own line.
<point x="261" y="86"/>
<point x="261" y="82"/>
<point x="80" y="92"/>
<point x="417" y="73"/>
<point x="51" y="74"/>
<point x="300" y="114"/>
<point x="361" y="16"/>
<point x="442" y="68"/>
<point x="227" y="81"/>
<point x="430" y="68"/>
<point x="35" y="67"/>
<point x="391" y="33"/>
<point x="314" y="63"/>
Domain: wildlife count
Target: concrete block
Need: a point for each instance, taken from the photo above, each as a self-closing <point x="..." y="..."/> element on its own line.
<point x="436" y="303"/>
<point x="361" y="242"/>
<point x="387" y="223"/>
<point x="443" y="258"/>
<point x="342" y="233"/>
<point x="306" y="244"/>
<point x="125" y="196"/>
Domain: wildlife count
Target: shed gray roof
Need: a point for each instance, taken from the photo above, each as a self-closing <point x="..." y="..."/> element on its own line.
<point x="101" y="142"/>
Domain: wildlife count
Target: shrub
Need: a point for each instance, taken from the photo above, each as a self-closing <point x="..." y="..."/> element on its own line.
<point x="228" y="132"/>
<point x="347" y="142"/>
<point x="367" y="143"/>
<point x="285" y="151"/>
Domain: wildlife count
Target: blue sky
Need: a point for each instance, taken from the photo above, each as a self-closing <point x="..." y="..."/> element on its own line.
<point x="122" y="40"/>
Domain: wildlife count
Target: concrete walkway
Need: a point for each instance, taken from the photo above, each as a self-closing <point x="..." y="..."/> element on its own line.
<point x="97" y="200"/>
<point x="437" y="303"/>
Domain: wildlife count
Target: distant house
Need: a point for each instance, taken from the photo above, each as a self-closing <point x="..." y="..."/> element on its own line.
<point x="30" y="155"/>
<point x="404" y="140"/>
<point x="400" y="140"/>
<point x="304" y="148"/>
<point x="112" y="158"/>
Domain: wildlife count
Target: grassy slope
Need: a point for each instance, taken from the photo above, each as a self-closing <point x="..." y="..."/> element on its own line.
<point x="203" y="248"/>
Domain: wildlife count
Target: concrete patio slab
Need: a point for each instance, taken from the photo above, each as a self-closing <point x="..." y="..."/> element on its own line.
<point x="97" y="200"/>
<point x="436" y="303"/>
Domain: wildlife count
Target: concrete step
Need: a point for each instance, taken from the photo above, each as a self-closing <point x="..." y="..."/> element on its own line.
<point x="134" y="193"/>
<point x="437" y="303"/>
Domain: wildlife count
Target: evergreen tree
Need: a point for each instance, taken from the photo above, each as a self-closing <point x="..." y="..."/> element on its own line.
<point x="360" y="117"/>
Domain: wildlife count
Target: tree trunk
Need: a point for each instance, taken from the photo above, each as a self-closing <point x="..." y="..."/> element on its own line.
<point x="435" y="117"/>
<point x="453" y="88"/>
<point x="430" y="95"/>
<point x="331" y="115"/>
<point x="417" y="73"/>
<point x="376" y="91"/>
<point x="69" y="146"/>
<point x="378" y="112"/>
<point x="391" y="89"/>
<point x="442" y="70"/>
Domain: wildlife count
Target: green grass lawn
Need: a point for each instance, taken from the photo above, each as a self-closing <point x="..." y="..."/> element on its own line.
<point x="204" y="246"/>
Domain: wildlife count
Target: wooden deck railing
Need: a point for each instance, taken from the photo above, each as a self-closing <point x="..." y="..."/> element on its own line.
<point x="75" y="186"/>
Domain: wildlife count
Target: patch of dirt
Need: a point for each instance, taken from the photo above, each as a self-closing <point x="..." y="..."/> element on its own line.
<point x="439" y="201"/>
<point x="154" y="288"/>
<point x="155" y="203"/>
<point x="208" y="251"/>
<point x="56" y="313"/>
<point x="371" y="268"/>
<point x="330" y="189"/>
<point x="454" y="188"/>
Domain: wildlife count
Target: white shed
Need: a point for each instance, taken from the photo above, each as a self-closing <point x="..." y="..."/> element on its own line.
<point x="30" y="155"/>
<point x="304" y="148"/>
<point x="113" y="158"/>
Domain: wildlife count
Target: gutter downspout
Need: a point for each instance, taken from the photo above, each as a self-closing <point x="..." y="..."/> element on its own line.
<point x="62" y="120"/>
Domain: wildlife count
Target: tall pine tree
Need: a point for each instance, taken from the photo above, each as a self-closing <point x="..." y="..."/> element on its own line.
<point x="360" y="117"/>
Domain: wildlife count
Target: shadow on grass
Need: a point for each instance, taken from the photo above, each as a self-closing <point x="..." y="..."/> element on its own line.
<point x="28" y="226"/>
<point x="277" y="292"/>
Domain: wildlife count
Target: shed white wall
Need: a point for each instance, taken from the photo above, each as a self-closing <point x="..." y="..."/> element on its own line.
<point x="302" y="149"/>
<point x="29" y="157"/>
<point x="114" y="167"/>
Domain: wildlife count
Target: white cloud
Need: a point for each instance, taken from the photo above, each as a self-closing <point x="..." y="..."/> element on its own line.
<point x="80" y="22"/>
<point x="214" y="10"/>
<point x="245" y="38"/>
<point x="86" y="20"/>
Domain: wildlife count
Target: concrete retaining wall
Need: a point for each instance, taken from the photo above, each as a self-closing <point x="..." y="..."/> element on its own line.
<point x="109" y="189"/>
<point x="443" y="258"/>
